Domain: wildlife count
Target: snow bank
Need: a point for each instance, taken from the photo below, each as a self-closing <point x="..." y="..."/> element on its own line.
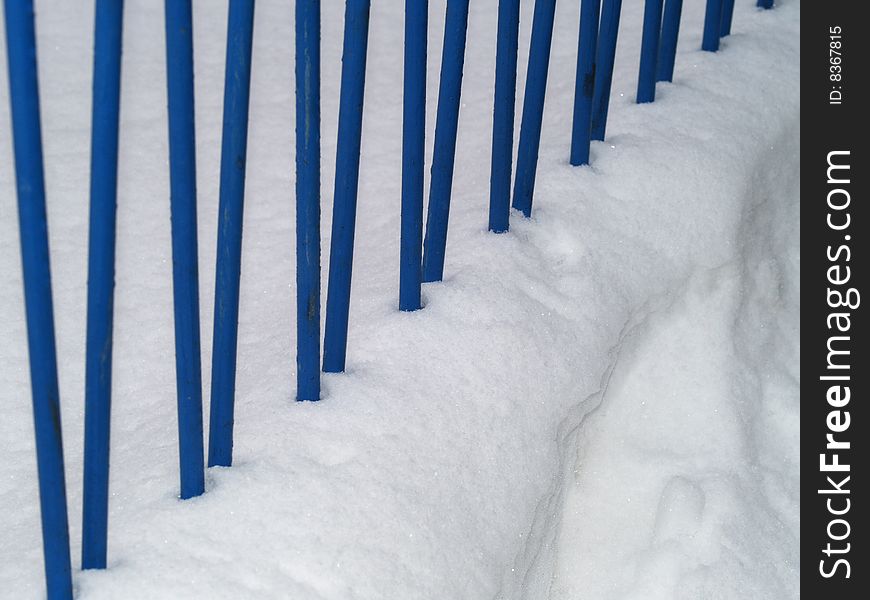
<point x="436" y="467"/>
<point x="686" y="480"/>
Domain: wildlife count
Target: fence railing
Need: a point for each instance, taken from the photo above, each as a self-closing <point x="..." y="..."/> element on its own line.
<point x="421" y="259"/>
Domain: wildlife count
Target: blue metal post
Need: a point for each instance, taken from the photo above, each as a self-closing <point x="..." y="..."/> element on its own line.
<point x="446" y="124"/>
<point x="670" y="35"/>
<point x="533" y="105"/>
<point x="101" y="279"/>
<point x="649" y="51"/>
<point x="237" y="84"/>
<point x="350" y="114"/>
<point x="712" y="25"/>
<point x="413" y="139"/>
<point x="584" y="86"/>
<point x="185" y="273"/>
<point x="308" y="199"/>
<point x="727" y="17"/>
<point x="33" y="228"/>
<point x="604" y="59"/>
<point x="503" y="115"/>
<point x="765" y="4"/>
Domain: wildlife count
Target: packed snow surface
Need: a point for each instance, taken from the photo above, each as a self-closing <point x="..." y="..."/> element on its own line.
<point x="602" y="403"/>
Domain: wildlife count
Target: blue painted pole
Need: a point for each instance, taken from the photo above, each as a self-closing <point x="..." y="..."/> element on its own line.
<point x="584" y="87"/>
<point x="712" y="24"/>
<point x="533" y="105"/>
<point x="308" y="199"/>
<point x="670" y="35"/>
<point x="185" y="272"/>
<point x="413" y="139"/>
<point x="503" y="115"/>
<point x="33" y="228"/>
<point x="765" y="4"/>
<point x="350" y="114"/>
<point x="446" y="124"/>
<point x="101" y="280"/>
<point x="649" y="51"/>
<point x="604" y="59"/>
<point x="727" y="17"/>
<point x="237" y="87"/>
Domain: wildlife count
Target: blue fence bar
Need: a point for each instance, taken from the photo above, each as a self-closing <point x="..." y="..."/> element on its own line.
<point x="237" y="84"/>
<point x="727" y="17"/>
<point x="413" y="139"/>
<point x="533" y="105"/>
<point x="584" y="87"/>
<point x="33" y="228"/>
<point x="185" y="272"/>
<point x="712" y="25"/>
<point x="649" y="51"/>
<point x="670" y="35"/>
<point x="503" y="115"/>
<point x="446" y="124"/>
<point x="350" y="113"/>
<point x="101" y="279"/>
<point x="308" y="199"/>
<point x="605" y="57"/>
<point x="766" y="4"/>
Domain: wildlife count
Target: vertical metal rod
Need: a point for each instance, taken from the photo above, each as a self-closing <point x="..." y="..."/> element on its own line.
<point x="503" y="115"/>
<point x="670" y="35"/>
<point x="308" y="199"/>
<point x="350" y="115"/>
<point x="101" y="279"/>
<point x="533" y="105"/>
<point x="413" y="140"/>
<point x="584" y="86"/>
<point x="727" y="17"/>
<point x="649" y="51"/>
<point x="185" y="272"/>
<point x="604" y="59"/>
<point x="237" y="87"/>
<point x="446" y="124"/>
<point x="33" y="228"/>
<point x="712" y="24"/>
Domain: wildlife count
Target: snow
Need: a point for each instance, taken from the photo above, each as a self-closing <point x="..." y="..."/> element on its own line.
<point x="693" y="444"/>
<point x="602" y="403"/>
